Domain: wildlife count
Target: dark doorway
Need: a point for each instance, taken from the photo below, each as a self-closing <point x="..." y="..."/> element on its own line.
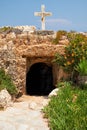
<point x="39" y="79"/>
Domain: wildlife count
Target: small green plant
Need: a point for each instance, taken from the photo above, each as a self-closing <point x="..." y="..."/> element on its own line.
<point x="81" y="68"/>
<point x="83" y="86"/>
<point x="68" y="110"/>
<point x="8" y="29"/>
<point x="74" y="52"/>
<point x="6" y="82"/>
<point x="64" y="84"/>
<point x="4" y="29"/>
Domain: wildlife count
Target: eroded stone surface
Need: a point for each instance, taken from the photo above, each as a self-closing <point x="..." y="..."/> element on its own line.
<point x="20" y="50"/>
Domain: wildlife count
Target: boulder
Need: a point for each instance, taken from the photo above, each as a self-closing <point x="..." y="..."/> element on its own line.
<point x="5" y="99"/>
<point x="32" y="105"/>
<point x="53" y="92"/>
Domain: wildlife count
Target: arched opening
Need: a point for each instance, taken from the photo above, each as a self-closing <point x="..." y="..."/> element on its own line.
<point x="39" y="79"/>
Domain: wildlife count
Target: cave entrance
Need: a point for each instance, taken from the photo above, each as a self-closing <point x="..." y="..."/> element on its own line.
<point x="39" y="79"/>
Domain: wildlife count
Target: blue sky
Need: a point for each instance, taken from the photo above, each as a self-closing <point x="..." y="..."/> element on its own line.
<point x="67" y="14"/>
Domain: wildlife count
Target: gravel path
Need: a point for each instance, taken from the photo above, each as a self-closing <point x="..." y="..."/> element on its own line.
<point x="25" y="114"/>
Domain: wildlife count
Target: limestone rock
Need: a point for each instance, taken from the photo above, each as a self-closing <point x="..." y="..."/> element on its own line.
<point x="54" y="92"/>
<point x="10" y="36"/>
<point x="32" y="105"/>
<point x="26" y="28"/>
<point x="64" y="42"/>
<point x="16" y="46"/>
<point x="5" y="47"/>
<point x="5" y="99"/>
<point x="45" y="102"/>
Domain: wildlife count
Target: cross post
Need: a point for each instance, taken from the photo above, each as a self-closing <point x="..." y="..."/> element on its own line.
<point x="43" y="14"/>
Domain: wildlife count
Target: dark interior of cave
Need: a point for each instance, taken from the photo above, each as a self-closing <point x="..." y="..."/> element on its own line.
<point x="39" y="79"/>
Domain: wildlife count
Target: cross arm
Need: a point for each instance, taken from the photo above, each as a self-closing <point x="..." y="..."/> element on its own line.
<point x="42" y="14"/>
<point x="48" y="14"/>
<point x="37" y="14"/>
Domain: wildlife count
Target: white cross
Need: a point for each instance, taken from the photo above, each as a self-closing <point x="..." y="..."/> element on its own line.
<point x="43" y="14"/>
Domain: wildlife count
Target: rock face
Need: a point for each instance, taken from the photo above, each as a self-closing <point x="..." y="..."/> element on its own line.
<point x="19" y="51"/>
<point x="5" y="99"/>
